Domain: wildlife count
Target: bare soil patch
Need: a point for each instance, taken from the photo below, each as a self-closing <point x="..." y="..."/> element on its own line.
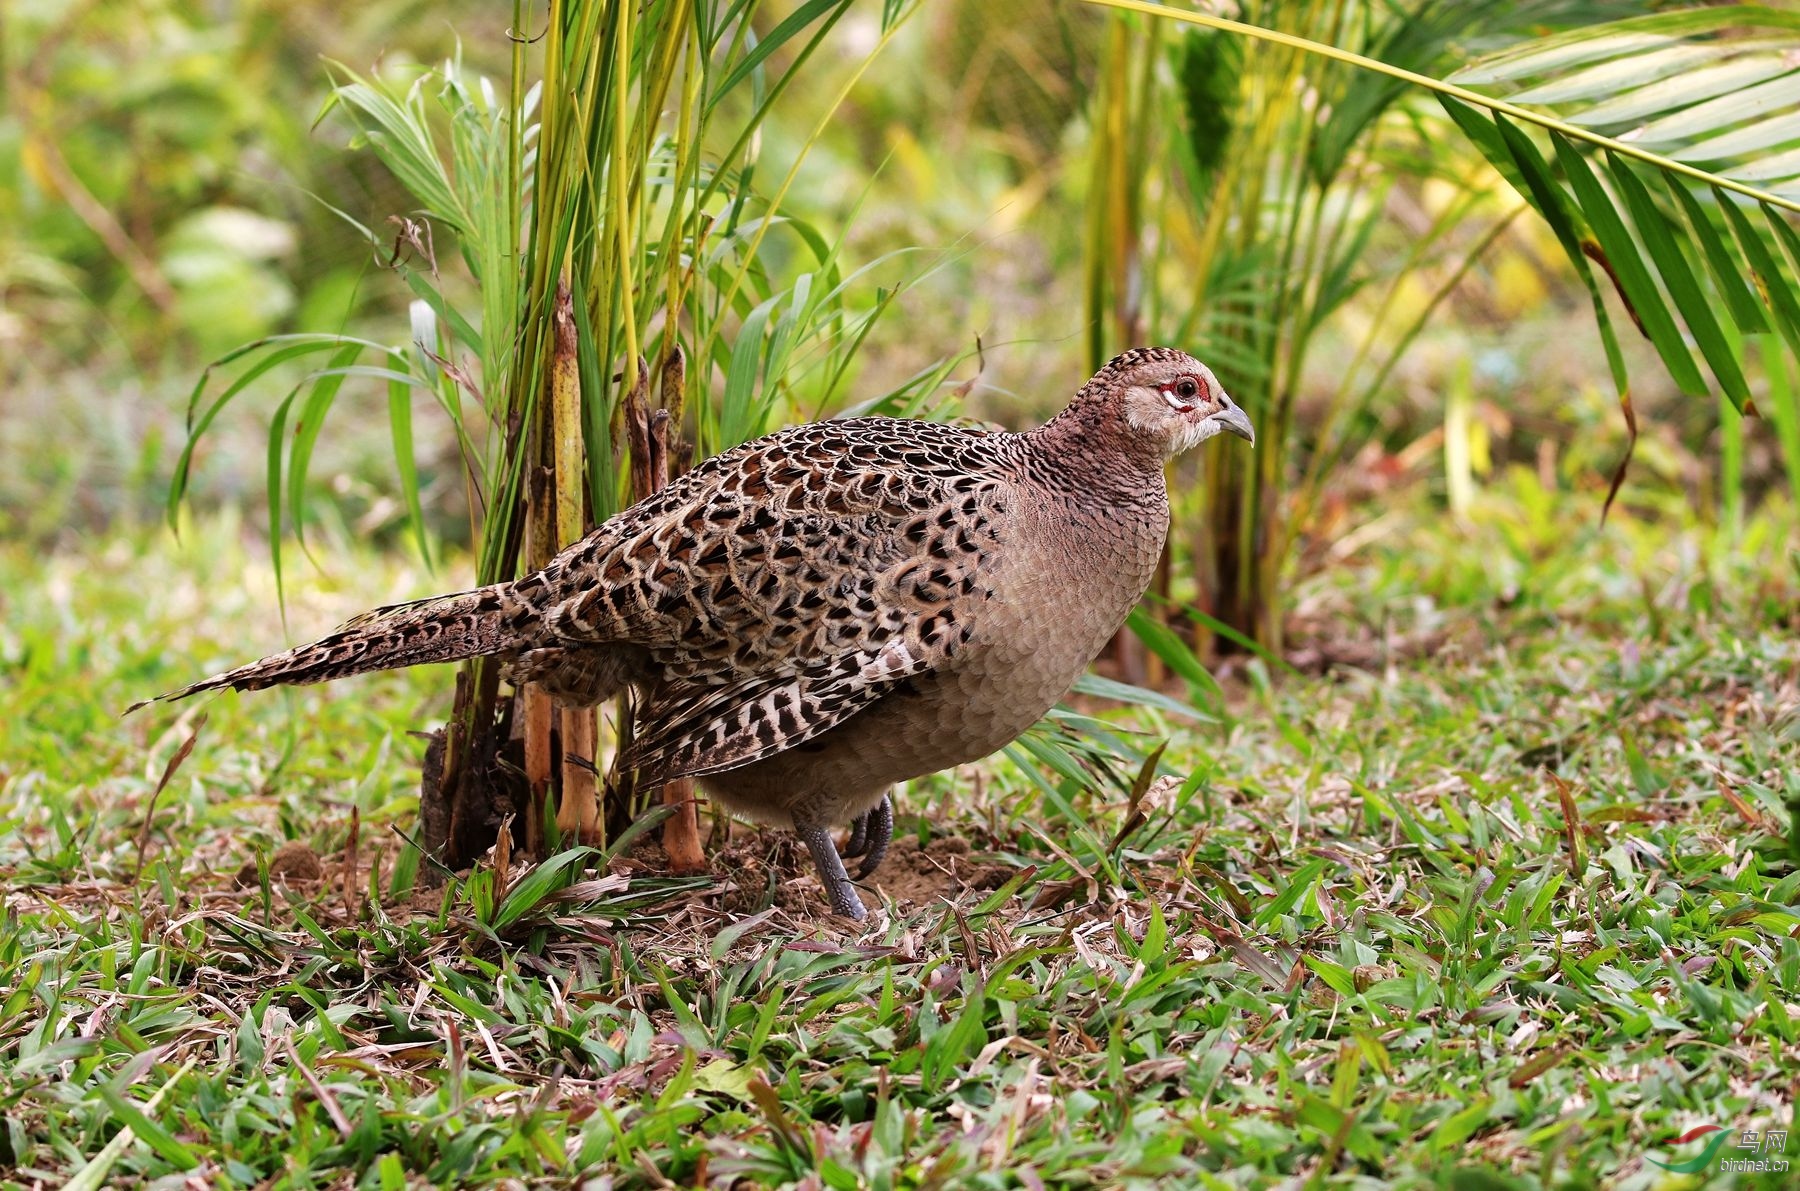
<point x="757" y="869"/>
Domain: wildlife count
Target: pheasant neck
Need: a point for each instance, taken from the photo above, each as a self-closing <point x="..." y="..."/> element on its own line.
<point x="1093" y="462"/>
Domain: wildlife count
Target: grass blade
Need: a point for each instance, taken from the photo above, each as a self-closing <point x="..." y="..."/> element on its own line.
<point x="93" y="1174"/>
<point x="277" y="439"/>
<point x="1125" y="692"/>
<point x="1161" y="640"/>
<point x="306" y="434"/>
<point x="553" y="874"/>
<point x="777" y="37"/>
<point x="406" y="463"/>
<point x="280" y="350"/>
<point x="1784" y="411"/>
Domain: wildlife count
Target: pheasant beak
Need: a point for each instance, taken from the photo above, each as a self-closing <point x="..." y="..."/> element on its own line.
<point x="1231" y="418"/>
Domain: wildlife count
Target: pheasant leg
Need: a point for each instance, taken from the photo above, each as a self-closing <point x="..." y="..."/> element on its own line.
<point x="838" y="888"/>
<point x="878" y="826"/>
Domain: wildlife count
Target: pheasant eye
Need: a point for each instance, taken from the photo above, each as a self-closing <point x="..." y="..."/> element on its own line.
<point x="1186" y="388"/>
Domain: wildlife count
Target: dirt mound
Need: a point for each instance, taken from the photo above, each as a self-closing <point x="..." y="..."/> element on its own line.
<point x="293" y="863"/>
<point x="944" y="868"/>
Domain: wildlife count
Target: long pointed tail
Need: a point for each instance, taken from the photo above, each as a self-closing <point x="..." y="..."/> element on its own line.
<point x="440" y="629"/>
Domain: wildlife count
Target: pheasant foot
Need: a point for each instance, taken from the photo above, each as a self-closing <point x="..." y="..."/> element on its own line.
<point x="858" y="841"/>
<point x="838" y="889"/>
<point x="875" y="829"/>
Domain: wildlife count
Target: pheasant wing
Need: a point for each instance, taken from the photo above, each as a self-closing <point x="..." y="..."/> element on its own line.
<point x="782" y="587"/>
<point x="691" y="731"/>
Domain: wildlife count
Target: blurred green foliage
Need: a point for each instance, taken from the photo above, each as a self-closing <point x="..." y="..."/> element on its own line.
<point x="161" y="162"/>
<point x="167" y="192"/>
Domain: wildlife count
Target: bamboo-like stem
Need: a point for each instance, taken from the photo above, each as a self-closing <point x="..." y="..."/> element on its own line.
<point x="674" y="400"/>
<point x="681" y="832"/>
<point x="515" y="132"/>
<point x="537" y="715"/>
<point x="536" y="710"/>
<point x="648" y="434"/>
<point x="578" y="815"/>
<point x="620" y="174"/>
<point x="637" y="432"/>
<point x="579" y="812"/>
<point x="1115" y="246"/>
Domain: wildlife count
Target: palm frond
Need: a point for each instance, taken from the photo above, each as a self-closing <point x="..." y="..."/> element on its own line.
<point x="1674" y="163"/>
<point x="1687" y="194"/>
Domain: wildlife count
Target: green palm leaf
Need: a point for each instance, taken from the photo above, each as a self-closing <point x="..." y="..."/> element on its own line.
<point x="1710" y="96"/>
<point x="1674" y="164"/>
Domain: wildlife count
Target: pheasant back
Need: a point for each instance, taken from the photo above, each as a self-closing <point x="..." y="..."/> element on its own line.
<point x="756" y="602"/>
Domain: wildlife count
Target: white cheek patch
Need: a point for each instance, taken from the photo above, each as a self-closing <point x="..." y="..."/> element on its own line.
<point x="1141" y="417"/>
<point x="1191" y="435"/>
<point x="1176" y="403"/>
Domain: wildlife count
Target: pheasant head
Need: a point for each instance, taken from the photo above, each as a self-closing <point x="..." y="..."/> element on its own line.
<point x="1163" y="398"/>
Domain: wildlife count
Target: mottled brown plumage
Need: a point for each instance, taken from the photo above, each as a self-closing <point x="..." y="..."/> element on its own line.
<point x="815" y="615"/>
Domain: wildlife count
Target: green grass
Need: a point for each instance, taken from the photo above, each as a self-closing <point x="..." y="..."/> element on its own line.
<point x="1351" y="939"/>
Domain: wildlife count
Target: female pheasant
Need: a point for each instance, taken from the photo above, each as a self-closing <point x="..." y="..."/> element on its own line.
<point x="813" y="616"/>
